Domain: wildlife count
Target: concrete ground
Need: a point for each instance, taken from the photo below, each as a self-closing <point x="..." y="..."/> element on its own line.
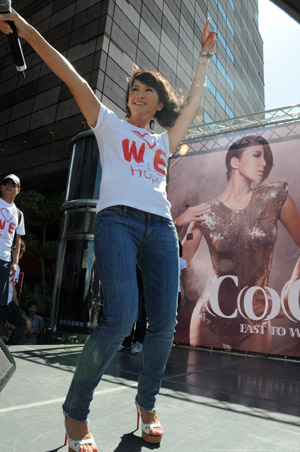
<point x="209" y="401"/>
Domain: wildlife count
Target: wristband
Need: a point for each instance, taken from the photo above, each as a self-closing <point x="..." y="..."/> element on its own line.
<point x="198" y="80"/>
<point x="201" y="85"/>
<point x="206" y="55"/>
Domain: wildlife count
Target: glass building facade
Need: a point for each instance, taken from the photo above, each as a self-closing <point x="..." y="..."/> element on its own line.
<point x="103" y="39"/>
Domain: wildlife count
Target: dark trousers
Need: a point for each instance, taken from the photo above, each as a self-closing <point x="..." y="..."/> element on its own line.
<point x="12" y="313"/>
<point x="4" y="282"/>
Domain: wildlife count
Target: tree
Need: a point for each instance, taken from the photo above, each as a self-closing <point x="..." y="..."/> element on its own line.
<point x="42" y="219"/>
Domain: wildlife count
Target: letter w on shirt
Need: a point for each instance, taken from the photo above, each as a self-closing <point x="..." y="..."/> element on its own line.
<point x="133" y="152"/>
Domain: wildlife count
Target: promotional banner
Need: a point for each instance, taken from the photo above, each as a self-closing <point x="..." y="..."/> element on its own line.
<point x="235" y="202"/>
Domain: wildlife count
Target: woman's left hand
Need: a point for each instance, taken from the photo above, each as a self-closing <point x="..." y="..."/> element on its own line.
<point x="208" y="39"/>
<point x="193" y="214"/>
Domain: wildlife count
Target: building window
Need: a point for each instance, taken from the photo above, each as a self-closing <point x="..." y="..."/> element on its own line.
<point x="207" y="119"/>
<point x="227" y="21"/>
<point x="220" y="37"/>
<point x="210" y="86"/>
<point x="223" y="72"/>
<point x="219" y="98"/>
<point x="229" y="112"/>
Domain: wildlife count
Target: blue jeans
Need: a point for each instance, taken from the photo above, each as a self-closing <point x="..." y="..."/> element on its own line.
<point x="126" y="237"/>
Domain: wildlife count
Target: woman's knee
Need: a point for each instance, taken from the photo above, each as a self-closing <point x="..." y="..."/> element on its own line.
<point x="163" y="325"/>
<point x="119" y="323"/>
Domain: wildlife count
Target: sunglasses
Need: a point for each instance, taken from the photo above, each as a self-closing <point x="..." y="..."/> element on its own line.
<point x="12" y="184"/>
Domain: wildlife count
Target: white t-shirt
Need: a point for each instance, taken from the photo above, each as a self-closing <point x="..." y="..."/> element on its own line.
<point x="12" y="282"/>
<point x="134" y="164"/>
<point x="8" y="224"/>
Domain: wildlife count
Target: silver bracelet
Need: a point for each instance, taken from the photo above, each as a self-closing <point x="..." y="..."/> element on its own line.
<point x="199" y="80"/>
<point x="206" y="55"/>
<point x="201" y="85"/>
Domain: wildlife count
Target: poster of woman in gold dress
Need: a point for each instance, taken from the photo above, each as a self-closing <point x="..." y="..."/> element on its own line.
<point x="239" y="306"/>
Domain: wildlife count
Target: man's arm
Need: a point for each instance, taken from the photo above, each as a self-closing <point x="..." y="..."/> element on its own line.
<point x="15" y="296"/>
<point x="15" y="253"/>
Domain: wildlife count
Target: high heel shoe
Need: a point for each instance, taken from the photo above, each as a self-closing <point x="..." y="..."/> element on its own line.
<point x="149" y="432"/>
<point x="76" y="445"/>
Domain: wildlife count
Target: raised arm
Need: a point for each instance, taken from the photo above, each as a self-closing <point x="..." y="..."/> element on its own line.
<point x="194" y="98"/>
<point x="83" y="94"/>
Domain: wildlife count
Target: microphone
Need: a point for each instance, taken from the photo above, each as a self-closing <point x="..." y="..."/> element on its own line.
<point x="13" y="39"/>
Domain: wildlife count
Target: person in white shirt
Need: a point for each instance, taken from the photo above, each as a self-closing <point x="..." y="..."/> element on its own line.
<point x="11" y="229"/>
<point x="133" y="226"/>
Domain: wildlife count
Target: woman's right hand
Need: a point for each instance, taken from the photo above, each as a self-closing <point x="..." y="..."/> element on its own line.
<point x="193" y="214"/>
<point x="20" y="23"/>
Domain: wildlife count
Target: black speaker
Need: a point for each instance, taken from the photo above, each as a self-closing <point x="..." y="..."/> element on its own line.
<point x="7" y="365"/>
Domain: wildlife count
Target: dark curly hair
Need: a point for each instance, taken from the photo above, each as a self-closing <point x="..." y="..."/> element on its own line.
<point x="171" y="101"/>
<point x="239" y="146"/>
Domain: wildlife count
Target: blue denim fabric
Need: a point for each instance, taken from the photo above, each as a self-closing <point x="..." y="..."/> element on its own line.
<point x="126" y="237"/>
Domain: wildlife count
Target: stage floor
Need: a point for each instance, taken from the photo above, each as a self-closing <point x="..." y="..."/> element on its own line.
<point x="209" y="401"/>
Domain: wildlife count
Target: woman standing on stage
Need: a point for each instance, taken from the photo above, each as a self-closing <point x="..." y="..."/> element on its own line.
<point x="133" y="226"/>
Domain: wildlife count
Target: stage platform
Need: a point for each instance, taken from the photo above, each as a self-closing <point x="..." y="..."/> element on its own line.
<point x="209" y="401"/>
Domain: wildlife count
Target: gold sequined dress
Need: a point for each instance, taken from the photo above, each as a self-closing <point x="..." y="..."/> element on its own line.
<point x="241" y="243"/>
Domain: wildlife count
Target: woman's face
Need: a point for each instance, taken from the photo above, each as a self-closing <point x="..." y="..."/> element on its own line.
<point x="143" y="100"/>
<point x="251" y="163"/>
